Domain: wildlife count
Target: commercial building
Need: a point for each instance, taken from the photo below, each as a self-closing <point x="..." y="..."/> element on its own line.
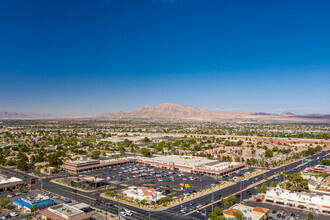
<point x="86" y="164"/>
<point x="249" y="213"/>
<point x="142" y="192"/>
<point x="26" y="203"/>
<point x="318" y="169"/>
<point x="192" y="164"/>
<point x="49" y="170"/>
<point x="302" y="200"/>
<point x="64" y="212"/>
<point x="7" y="183"/>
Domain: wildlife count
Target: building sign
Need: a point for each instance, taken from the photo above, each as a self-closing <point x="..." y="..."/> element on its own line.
<point x="182" y="184"/>
<point x="33" y="181"/>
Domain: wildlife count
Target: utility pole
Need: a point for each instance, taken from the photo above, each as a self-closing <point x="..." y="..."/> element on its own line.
<point x="117" y="207"/>
<point x="241" y="186"/>
<point x="106" y="211"/>
<point x="212" y="199"/>
<point x="41" y="182"/>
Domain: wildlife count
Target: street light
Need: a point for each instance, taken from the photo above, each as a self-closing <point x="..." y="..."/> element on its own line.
<point x="212" y="199"/>
<point x="106" y="211"/>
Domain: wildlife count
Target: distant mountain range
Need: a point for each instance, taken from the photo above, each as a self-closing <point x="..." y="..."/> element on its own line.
<point x="172" y="111"/>
<point x="176" y="112"/>
<point x="15" y="115"/>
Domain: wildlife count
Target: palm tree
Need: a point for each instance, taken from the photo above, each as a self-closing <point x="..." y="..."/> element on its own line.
<point x="34" y="209"/>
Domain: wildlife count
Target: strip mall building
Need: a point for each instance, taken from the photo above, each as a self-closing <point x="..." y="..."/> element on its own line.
<point x="189" y="164"/>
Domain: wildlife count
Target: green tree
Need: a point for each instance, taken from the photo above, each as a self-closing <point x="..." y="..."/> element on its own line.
<point x="4" y="202"/>
<point x="310" y="216"/>
<point x="145" y="152"/>
<point x="228" y="201"/>
<point x="34" y="209"/>
<point x="238" y="215"/>
<point x="323" y="175"/>
<point x="146" y="140"/>
<point x="218" y="211"/>
<point x="212" y="215"/>
<point x="268" y="153"/>
<point x="20" y="188"/>
<point x="22" y="165"/>
<point x="165" y="200"/>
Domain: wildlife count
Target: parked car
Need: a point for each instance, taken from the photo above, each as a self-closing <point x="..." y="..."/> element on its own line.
<point x="13" y="214"/>
<point x="123" y="214"/>
<point x="128" y="212"/>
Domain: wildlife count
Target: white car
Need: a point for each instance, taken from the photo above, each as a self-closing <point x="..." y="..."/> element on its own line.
<point x="123" y="214"/>
<point x="128" y="212"/>
<point x="9" y="196"/>
<point x="13" y="214"/>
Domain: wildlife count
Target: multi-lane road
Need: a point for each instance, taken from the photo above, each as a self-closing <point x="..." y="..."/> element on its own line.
<point x="172" y="212"/>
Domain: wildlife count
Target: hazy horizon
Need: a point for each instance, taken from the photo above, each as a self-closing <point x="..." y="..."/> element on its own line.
<point x="93" y="57"/>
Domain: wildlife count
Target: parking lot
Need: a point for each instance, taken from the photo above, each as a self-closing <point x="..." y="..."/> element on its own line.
<point x="167" y="181"/>
<point x="283" y="212"/>
<point x="13" y="211"/>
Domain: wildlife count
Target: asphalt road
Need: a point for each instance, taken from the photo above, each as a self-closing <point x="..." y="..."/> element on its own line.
<point x="170" y="213"/>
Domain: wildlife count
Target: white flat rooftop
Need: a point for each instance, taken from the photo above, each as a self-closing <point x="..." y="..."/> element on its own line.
<point x="191" y="161"/>
<point x="219" y="166"/>
<point x="323" y="200"/>
<point x="66" y="210"/>
<point x="4" y="180"/>
<point x="247" y="212"/>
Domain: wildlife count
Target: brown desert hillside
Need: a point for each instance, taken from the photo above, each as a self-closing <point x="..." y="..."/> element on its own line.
<point x="172" y="111"/>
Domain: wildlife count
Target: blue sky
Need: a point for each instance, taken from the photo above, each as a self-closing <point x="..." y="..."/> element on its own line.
<point x="89" y="57"/>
